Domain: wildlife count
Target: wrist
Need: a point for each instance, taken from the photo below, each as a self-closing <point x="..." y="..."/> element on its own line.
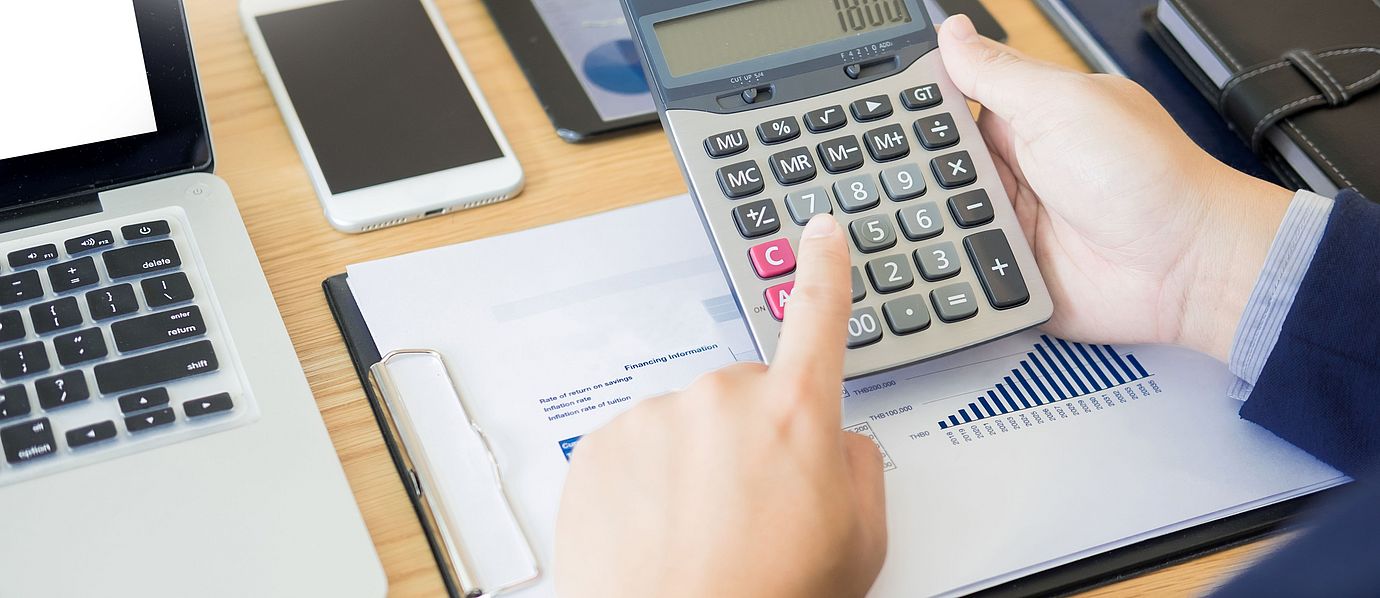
<point x="1240" y="217"/>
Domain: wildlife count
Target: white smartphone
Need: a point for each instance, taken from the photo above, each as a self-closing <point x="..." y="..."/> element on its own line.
<point x="386" y="115"/>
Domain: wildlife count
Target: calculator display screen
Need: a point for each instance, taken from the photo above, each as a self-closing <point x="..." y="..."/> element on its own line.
<point x="758" y="28"/>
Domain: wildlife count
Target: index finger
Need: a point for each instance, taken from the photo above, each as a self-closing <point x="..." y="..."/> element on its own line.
<point x="811" y="348"/>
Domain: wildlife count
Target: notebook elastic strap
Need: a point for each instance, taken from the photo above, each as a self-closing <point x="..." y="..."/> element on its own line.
<point x="1259" y="97"/>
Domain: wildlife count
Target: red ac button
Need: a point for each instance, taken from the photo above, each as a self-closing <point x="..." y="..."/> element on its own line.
<point x="777" y="296"/>
<point x="773" y="258"/>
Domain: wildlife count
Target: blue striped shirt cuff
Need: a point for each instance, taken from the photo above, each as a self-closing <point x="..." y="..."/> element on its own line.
<point x="1290" y="255"/>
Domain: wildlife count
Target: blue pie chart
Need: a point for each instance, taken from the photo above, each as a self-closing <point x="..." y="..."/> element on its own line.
<point x="614" y="66"/>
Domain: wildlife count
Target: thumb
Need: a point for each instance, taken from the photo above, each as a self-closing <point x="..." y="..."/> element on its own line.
<point x="993" y="74"/>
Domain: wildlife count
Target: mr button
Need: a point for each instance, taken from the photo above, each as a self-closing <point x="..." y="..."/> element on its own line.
<point x="996" y="268"/>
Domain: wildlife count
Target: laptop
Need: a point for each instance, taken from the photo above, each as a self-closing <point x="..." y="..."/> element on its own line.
<point x="158" y="435"/>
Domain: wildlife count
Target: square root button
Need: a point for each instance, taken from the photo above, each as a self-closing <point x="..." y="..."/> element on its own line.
<point x="772" y="259"/>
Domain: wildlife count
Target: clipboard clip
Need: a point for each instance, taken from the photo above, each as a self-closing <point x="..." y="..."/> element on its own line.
<point x="437" y="517"/>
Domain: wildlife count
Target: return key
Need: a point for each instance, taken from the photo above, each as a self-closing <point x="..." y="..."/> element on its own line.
<point x="158" y="329"/>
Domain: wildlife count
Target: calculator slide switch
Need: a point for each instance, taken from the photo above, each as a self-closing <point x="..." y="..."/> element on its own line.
<point x="773" y="258"/>
<point x="777" y="296"/>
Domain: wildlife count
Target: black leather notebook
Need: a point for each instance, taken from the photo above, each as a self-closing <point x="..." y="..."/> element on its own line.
<point x="1296" y="79"/>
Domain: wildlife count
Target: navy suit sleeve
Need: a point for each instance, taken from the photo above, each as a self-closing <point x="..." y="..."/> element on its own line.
<point x="1320" y="388"/>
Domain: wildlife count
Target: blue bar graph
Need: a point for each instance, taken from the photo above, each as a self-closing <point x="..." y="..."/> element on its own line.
<point x="1053" y="370"/>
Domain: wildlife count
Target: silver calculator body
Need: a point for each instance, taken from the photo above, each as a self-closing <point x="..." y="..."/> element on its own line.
<point x="782" y="109"/>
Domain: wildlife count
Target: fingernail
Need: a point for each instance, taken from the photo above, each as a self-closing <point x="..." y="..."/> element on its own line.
<point x="821" y="225"/>
<point x="961" y="28"/>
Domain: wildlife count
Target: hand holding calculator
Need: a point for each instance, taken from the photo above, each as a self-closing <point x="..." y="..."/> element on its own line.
<point x="783" y="109"/>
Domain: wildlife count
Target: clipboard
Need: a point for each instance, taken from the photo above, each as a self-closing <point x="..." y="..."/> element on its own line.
<point x="1101" y="569"/>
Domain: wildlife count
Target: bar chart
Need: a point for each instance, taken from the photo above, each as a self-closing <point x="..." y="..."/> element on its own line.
<point x="1053" y="370"/>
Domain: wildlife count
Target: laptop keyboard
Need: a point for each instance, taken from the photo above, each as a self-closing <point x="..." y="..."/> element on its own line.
<point x="110" y="344"/>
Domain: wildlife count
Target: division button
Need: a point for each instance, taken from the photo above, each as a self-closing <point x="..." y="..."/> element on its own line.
<point x="78" y="437"/>
<point x="216" y="403"/>
<point x="726" y="144"/>
<point x="779" y="130"/>
<point x="971" y="208"/>
<point x="840" y="154"/>
<point x="954" y="170"/>
<point x="792" y="166"/>
<point x="756" y="219"/>
<point x="937" y="131"/>
<point x="906" y="314"/>
<point x="921" y="97"/>
<point x="825" y="119"/>
<point x="864" y="328"/>
<point x="872" y="108"/>
<point x="954" y="302"/>
<point x="996" y="267"/>
<point x="736" y="180"/>
<point x="28" y="441"/>
<point x="887" y="143"/>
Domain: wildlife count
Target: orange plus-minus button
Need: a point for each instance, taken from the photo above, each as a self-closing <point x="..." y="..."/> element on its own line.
<point x="773" y="258"/>
<point x="777" y="296"/>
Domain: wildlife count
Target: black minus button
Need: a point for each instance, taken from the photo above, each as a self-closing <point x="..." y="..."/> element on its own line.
<point x="144" y="230"/>
<point x="208" y="405"/>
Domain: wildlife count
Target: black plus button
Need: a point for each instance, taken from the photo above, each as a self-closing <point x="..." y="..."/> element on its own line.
<point x="825" y="119"/>
<point x="996" y="267"/>
<point x="741" y="179"/>
<point x="954" y="170"/>
<point x="872" y="108"/>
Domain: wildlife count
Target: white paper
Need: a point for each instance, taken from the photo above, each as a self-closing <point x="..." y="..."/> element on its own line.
<point x="71" y="73"/>
<point x="553" y="331"/>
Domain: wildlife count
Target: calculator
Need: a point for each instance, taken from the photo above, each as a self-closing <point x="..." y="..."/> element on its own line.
<point x="779" y="110"/>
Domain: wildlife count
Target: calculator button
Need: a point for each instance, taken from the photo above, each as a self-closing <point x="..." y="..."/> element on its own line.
<point x="937" y="131"/>
<point x="863" y="328"/>
<point x="772" y="259"/>
<point x="954" y="302"/>
<point x="873" y="233"/>
<point x="938" y="261"/>
<point x="14" y="401"/>
<point x="62" y="389"/>
<point x="28" y="441"/>
<point x="89" y="242"/>
<point x="23" y="360"/>
<point x="906" y="314"/>
<point x="825" y="119"/>
<point x="841" y="154"/>
<point x="971" y="209"/>
<point x="33" y="255"/>
<point x="903" y="182"/>
<point x="17" y="288"/>
<point x="144" y="230"/>
<point x="71" y="275"/>
<point x="856" y="193"/>
<point x="12" y="326"/>
<point x="921" y="221"/>
<point x="779" y="130"/>
<point x="996" y="267"/>
<point x="726" y="144"/>
<point x="954" y="170"/>
<point x="741" y="179"/>
<point x="804" y="204"/>
<point x="79" y="346"/>
<point x="777" y="296"/>
<point x="55" y="315"/>
<point x="79" y="437"/>
<point x="921" y="97"/>
<point x="792" y="166"/>
<point x="113" y="301"/>
<point x="756" y="219"/>
<point x="859" y="287"/>
<point x="890" y="274"/>
<point x="887" y="143"/>
<point x="872" y="108"/>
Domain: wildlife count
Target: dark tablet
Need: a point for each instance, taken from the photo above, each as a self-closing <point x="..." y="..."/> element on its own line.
<point x="580" y="60"/>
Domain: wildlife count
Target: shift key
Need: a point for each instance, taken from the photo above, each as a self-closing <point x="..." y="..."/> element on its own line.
<point x="155" y="368"/>
<point x="141" y="259"/>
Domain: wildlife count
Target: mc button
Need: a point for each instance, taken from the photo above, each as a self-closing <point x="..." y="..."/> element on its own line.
<point x="741" y="179"/>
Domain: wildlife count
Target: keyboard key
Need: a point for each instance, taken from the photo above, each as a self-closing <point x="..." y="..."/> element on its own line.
<point x="144" y="230"/>
<point x="23" y="360"/>
<point x="154" y="368"/>
<point x="906" y="315"/>
<point x="921" y="221"/>
<point x="778" y="131"/>
<point x="28" y="441"/>
<point x="954" y="302"/>
<point x="79" y="437"/>
<point x="937" y="132"/>
<point x="756" y="219"/>
<point x="921" y="97"/>
<point x="863" y="328"/>
<point x="857" y="193"/>
<point x="777" y="296"/>
<point x="938" y="261"/>
<point x="825" y="119"/>
<point x="80" y="346"/>
<point x="804" y="204"/>
<point x="216" y="403"/>
<point x="12" y="326"/>
<point x="903" y="182"/>
<point x="952" y="170"/>
<point x="89" y="242"/>
<point x="840" y="154"/>
<point x="71" y="275"/>
<point x="726" y="144"/>
<point x="972" y="208"/>
<point x="859" y="287"/>
<point x="62" y="389"/>
<point x="14" y="401"/>
<point x="887" y="143"/>
<point x="141" y="259"/>
<point x="166" y="290"/>
<point x="55" y="315"/>
<point x="772" y="259"/>
<point x="873" y="233"/>
<point x="792" y="166"/>
<point x="17" y="288"/>
<point x="871" y="108"/>
<point x="158" y="329"/>
<point x="996" y="267"/>
<point x="115" y="301"/>
<point x="144" y="399"/>
<point x="33" y="255"/>
<point x="738" y="180"/>
<point x="890" y="274"/>
<point x="149" y="420"/>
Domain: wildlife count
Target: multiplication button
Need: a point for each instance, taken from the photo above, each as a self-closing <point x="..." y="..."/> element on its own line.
<point x="954" y="170"/>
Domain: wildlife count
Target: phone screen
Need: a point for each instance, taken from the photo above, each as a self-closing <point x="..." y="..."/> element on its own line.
<point x="376" y="92"/>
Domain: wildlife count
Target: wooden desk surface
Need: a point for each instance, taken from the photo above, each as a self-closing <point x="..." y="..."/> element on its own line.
<point x="299" y="249"/>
